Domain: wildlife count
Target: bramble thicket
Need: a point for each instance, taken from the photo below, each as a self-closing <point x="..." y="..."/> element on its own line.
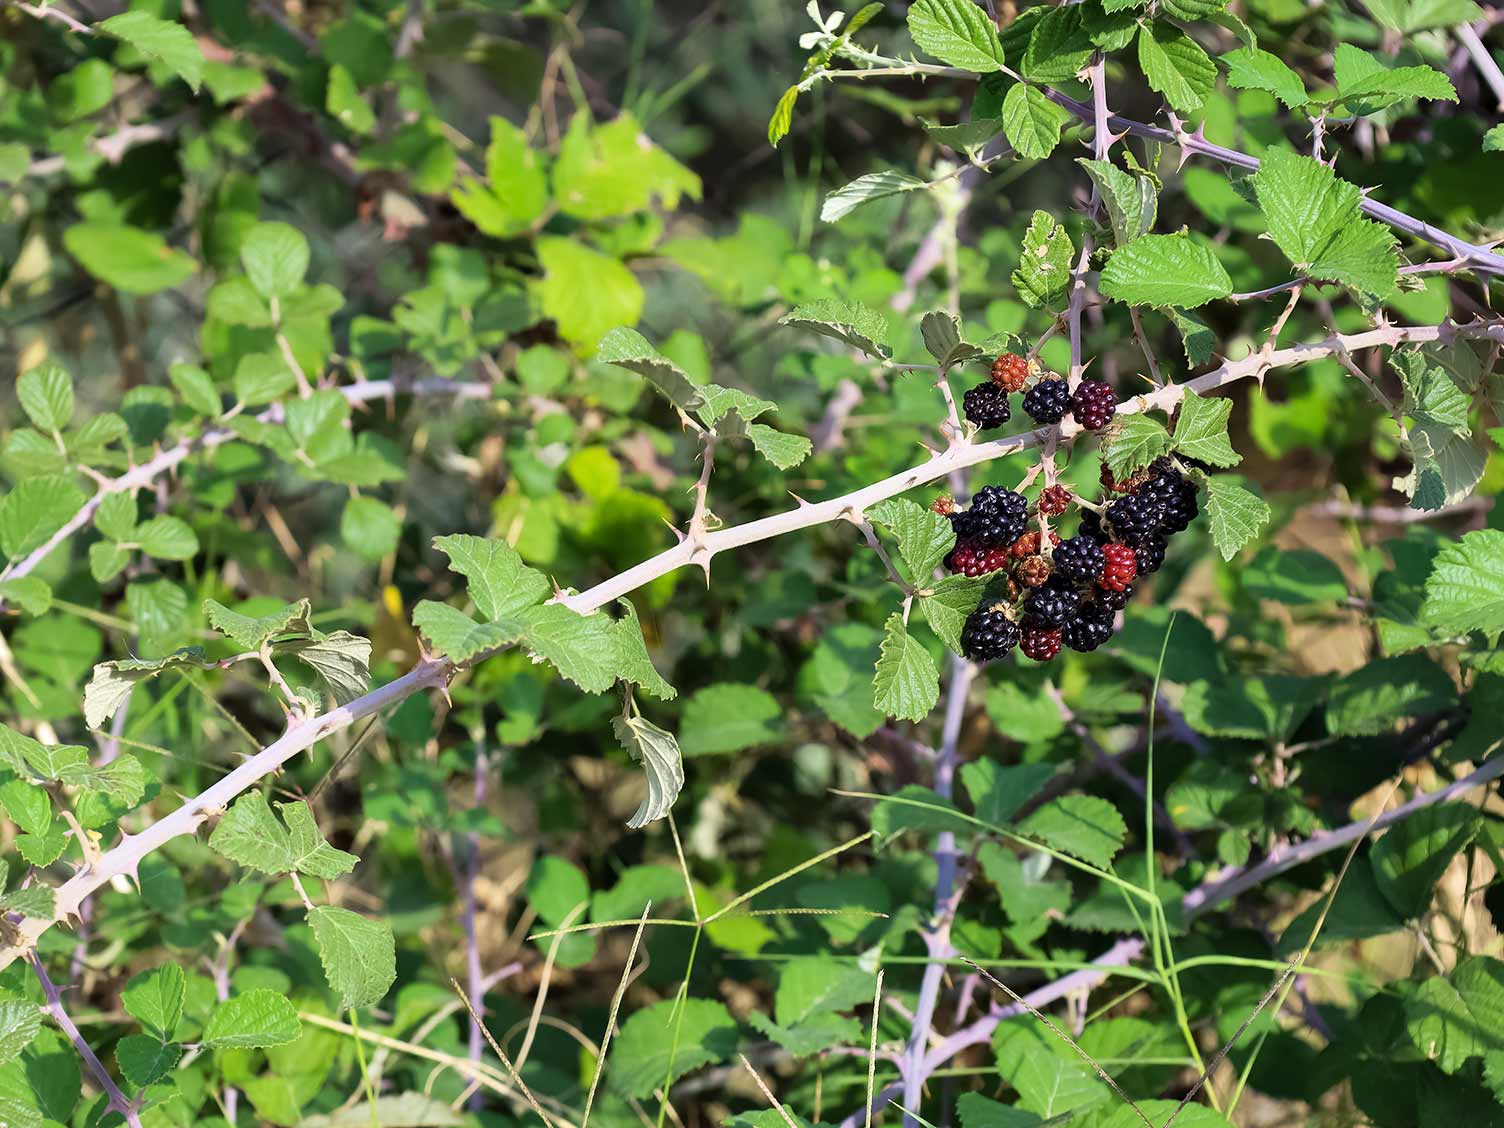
<point x="641" y="563"/>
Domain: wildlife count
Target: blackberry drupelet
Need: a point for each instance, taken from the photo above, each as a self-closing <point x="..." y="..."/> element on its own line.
<point x="1093" y="404"/>
<point x="1179" y="509"/>
<point x="1088" y="628"/>
<point x="1047" y="400"/>
<point x="1010" y="372"/>
<point x="1080" y="559"/>
<point x="1134" y="518"/>
<point x="986" y="406"/>
<point x="988" y="634"/>
<point x="1120" y="568"/>
<point x="1040" y="643"/>
<point x="1149" y="555"/>
<point x="1051" y="604"/>
<point x="1091" y="526"/>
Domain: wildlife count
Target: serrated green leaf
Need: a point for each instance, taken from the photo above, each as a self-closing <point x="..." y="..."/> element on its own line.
<point x="162" y="41"/>
<point x="643" y="1058"/>
<point x="39" y="901"/>
<point x="112" y="682"/>
<point x="370" y="527"/>
<point x="1201" y="430"/>
<point x="658" y="753"/>
<point x="1236" y="514"/>
<point x="582" y="648"/>
<point x="250" y="835"/>
<point x="1250" y="68"/>
<point x="290" y="622"/>
<point x="251" y="1020"/>
<point x="275" y="257"/>
<point x="864" y="189"/>
<point x="1411" y="857"/>
<point x="341" y="659"/>
<point x="632" y="661"/>
<point x="1085" y="826"/>
<point x="145" y="1060"/>
<point x="128" y="258"/>
<point x="308" y="851"/>
<point x="1465" y="590"/>
<point x="1366" y="84"/>
<point x="262" y="378"/>
<point x="1314" y="217"/>
<point x="516" y="190"/>
<point x="359" y="955"/>
<point x="783" y="450"/>
<point x="1493" y="140"/>
<point x="1031" y="122"/>
<point x="459" y="637"/>
<point x="1197" y="340"/>
<point x="46" y="395"/>
<point x="1370" y="699"/>
<point x="907" y="684"/>
<point x="1059" y="46"/>
<point x="957" y="32"/>
<point x="851" y="323"/>
<point x="20" y="1022"/>
<point x="1175" y="65"/>
<point x="999" y="792"/>
<point x="167" y="538"/>
<point x="1132" y="201"/>
<point x="1459" y="1016"/>
<point x="1044" y="266"/>
<point x="34" y="510"/>
<point x="29" y="593"/>
<point x="782" y="118"/>
<point x="586" y="293"/>
<point x="1165" y="270"/>
<point x="107" y="560"/>
<point x="155" y="999"/>
<point x="728" y="717"/>
<point x="924" y="536"/>
<point x="1136" y="441"/>
<point x="629" y="349"/>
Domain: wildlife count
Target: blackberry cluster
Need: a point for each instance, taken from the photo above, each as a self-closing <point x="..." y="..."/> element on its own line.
<point x="996" y="518"/>
<point x="1045" y="593"/>
<point x="1047" y="400"/>
<point x="986" y="406"/>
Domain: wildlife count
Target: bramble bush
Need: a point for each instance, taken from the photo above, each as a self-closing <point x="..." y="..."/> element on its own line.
<point x="524" y="601"/>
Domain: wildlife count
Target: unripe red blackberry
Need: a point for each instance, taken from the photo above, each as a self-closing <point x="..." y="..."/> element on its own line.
<point x="986" y="406"/>
<point x="988" y="633"/>
<point x="1010" y="372"/>
<point x="944" y="505"/>
<point x="1121" y="567"/>
<point x="1028" y="544"/>
<point x="1047" y="400"/>
<point x="1033" y="571"/>
<point x="973" y="560"/>
<point x="1093" y="404"/>
<point x="1080" y="559"/>
<point x="1054" y="500"/>
<point x="1040" y="643"/>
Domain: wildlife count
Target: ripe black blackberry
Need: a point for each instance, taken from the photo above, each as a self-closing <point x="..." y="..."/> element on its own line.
<point x="1115" y="600"/>
<point x="988" y="634"/>
<point x="1134" y="518"/>
<point x="986" y="406"/>
<point x="1051" y="604"/>
<point x="1080" y="559"/>
<point x="1091" y="526"/>
<point x="996" y="519"/>
<point x="1088" y="628"/>
<point x="1047" y="400"/>
<point x="1150" y="554"/>
<point x="1093" y="404"/>
<point x="1179" y="508"/>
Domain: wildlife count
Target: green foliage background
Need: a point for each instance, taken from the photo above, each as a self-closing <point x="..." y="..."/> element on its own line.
<point x="344" y="336"/>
